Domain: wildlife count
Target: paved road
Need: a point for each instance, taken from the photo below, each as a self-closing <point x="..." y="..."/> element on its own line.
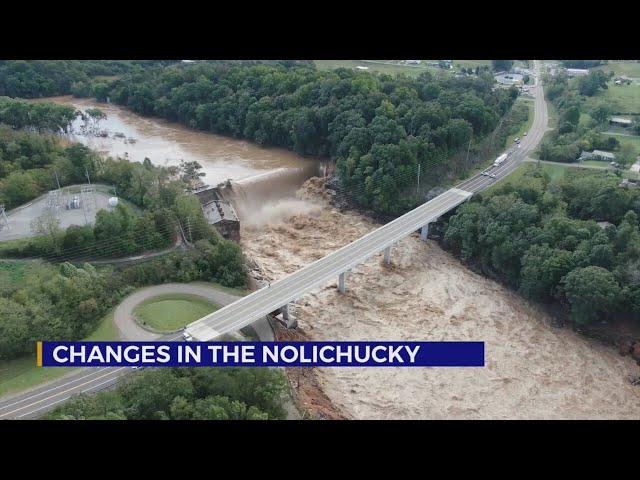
<point x="40" y="400"/>
<point x="44" y="398"/>
<point x="124" y="318"/>
<point x="280" y="293"/>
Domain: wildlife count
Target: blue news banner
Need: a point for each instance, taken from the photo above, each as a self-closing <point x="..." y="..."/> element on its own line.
<point x="260" y="354"/>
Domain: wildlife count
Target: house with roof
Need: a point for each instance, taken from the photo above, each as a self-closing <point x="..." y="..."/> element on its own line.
<point x="603" y="156"/>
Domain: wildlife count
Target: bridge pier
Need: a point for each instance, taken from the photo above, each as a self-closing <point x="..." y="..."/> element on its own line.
<point x="286" y="318"/>
<point x="424" y="232"/>
<point x="341" y="282"/>
<point x="387" y="255"/>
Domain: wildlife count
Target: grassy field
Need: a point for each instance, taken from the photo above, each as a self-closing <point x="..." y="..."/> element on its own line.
<point x="372" y="67"/>
<point x="12" y="273"/>
<point x="622" y="68"/>
<point x="596" y="163"/>
<point x="238" y="292"/>
<point x="554" y="171"/>
<point x="22" y="373"/>
<point x="621" y="98"/>
<point x="536" y="153"/>
<point x="553" y="114"/>
<point x="458" y="64"/>
<point x="172" y="311"/>
<point x="526" y="126"/>
<point x="635" y="141"/>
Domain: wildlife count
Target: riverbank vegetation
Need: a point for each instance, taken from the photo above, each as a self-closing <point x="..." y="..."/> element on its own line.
<point x="185" y="394"/>
<point x="541" y="238"/>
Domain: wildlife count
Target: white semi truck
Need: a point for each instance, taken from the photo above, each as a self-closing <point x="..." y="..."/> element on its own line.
<point x="500" y="159"/>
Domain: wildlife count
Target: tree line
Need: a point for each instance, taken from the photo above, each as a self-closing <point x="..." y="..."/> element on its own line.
<point x="541" y="238"/>
<point x="46" y="78"/>
<point x="185" y="394"/>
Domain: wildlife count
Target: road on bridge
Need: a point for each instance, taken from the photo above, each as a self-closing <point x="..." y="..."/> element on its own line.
<point x="238" y="314"/>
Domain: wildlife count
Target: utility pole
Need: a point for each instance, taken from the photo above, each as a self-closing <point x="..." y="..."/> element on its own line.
<point x="418" y="186"/>
<point x="466" y="162"/>
<point x="4" y="216"/>
<point x="115" y="192"/>
<point x="189" y="229"/>
<point x="87" y="172"/>
<point x="57" y="180"/>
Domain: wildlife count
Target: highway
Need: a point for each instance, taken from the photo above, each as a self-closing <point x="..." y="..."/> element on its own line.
<point x="38" y="401"/>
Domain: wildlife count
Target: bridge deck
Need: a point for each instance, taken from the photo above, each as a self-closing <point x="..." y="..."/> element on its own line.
<point x="245" y="311"/>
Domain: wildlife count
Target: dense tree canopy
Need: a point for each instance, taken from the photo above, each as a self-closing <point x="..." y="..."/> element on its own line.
<point x="45" y="78"/>
<point x="186" y="394"/>
<point x="541" y="238"/>
<point x="376" y="127"/>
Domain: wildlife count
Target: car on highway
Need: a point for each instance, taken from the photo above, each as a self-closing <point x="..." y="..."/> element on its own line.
<point x="524" y="134"/>
<point x="493" y="175"/>
<point x="485" y="174"/>
<point x="519" y="145"/>
<point x="516" y="140"/>
<point x="187" y="337"/>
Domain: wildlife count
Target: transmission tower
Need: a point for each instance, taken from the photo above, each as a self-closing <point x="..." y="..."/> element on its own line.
<point x="88" y="200"/>
<point x="53" y="202"/>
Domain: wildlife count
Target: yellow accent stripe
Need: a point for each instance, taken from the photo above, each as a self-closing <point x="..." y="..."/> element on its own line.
<point x="39" y="354"/>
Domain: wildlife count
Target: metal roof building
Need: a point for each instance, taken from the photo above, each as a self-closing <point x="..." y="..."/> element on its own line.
<point x="604" y="155"/>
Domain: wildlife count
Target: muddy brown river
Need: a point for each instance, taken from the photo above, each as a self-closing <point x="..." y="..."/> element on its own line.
<point x="268" y="173"/>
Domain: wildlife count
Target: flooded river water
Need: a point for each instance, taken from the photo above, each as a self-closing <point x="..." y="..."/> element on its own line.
<point x="269" y="172"/>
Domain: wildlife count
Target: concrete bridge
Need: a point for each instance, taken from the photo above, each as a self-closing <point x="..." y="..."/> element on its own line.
<point x="248" y="309"/>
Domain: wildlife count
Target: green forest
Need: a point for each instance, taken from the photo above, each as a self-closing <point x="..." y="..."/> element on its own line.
<point x="541" y="238"/>
<point x="376" y="127"/>
<point x="46" y="78"/>
<point x="185" y="394"/>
